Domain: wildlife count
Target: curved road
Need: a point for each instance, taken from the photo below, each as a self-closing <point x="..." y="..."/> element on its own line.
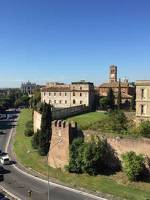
<point x="19" y="183"/>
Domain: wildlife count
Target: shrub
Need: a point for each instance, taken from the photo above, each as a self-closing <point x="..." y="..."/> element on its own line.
<point x="28" y="132"/>
<point x="91" y="157"/>
<point x="35" y="140"/>
<point x="144" y="129"/>
<point x="118" y="121"/>
<point x="133" y="165"/>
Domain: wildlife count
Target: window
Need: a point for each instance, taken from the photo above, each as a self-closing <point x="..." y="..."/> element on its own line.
<point x="74" y="101"/>
<point x="49" y="101"/>
<point x="54" y="101"/>
<point x="59" y="93"/>
<point x="44" y="93"/>
<point x="143" y="109"/>
<point x="60" y="101"/>
<point x="49" y="94"/>
<point x="65" y="101"/>
<point x="73" y="93"/>
<point x="142" y="93"/>
<point x="54" y="93"/>
<point x="81" y="102"/>
<point x="80" y="94"/>
<point x="80" y="88"/>
<point x="65" y="93"/>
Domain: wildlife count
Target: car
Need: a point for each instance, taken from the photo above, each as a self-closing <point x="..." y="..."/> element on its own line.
<point x="5" y="160"/>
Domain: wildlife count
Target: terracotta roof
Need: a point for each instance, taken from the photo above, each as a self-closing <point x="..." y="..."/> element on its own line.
<point x="61" y="89"/>
<point x="56" y="89"/>
<point x="115" y="84"/>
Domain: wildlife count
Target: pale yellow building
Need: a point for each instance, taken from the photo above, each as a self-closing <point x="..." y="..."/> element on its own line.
<point x="142" y="100"/>
<point x="62" y="95"/>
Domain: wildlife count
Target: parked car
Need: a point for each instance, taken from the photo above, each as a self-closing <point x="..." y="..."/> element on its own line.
<point x="5" y="160"/>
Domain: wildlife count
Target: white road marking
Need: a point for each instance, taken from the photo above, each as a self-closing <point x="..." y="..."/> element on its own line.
<point x="44" y="181"/>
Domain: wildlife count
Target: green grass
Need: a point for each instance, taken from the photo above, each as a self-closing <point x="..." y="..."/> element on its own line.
<point x="85" y="120"/>
<point x="113" y="185"/>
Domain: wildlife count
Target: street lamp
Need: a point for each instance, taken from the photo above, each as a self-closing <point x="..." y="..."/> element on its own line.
<point x="47" y="166"/>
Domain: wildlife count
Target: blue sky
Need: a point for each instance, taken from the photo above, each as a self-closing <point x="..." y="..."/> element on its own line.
<point x="69" y="40"/>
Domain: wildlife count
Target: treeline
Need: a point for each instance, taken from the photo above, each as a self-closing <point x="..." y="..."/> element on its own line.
<point x="14" y="98"/>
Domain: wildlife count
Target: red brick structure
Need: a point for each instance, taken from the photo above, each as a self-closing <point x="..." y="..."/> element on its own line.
<point x="126" y="89"/>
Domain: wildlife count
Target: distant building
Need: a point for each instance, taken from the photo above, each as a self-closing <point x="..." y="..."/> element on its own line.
<point x="28" y="87"/>
<point x="142" y="100"/>
<point x="127" y="90"/>
<point x="62" y="95"/>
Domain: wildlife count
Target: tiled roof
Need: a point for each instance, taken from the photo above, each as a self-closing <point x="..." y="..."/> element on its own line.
<point x="115" y="84"/>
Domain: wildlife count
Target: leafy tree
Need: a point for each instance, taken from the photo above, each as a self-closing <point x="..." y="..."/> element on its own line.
<point x="75" y="159"/>
<point x="45" y="133"/>
<point x="35" y="99"/>
<point x="104" y="103"/>
<point x="90" y="157"/>
<point x="119" y="99"/>
<point x="111" y="98"/>
<point x="118" y="121"/>
<point x="133" y="165"/>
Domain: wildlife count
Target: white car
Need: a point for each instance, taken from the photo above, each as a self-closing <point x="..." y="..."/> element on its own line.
<point x="5" y="160"/>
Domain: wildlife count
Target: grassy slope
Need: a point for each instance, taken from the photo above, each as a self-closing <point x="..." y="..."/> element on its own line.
<point x="104" y="184"/>
<point x="85" y="120"/>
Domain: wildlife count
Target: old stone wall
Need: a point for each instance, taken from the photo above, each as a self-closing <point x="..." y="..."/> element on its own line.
<point x="62" y="136"/>
<point x="123" y="145"/>
<point x="59" y="114"/>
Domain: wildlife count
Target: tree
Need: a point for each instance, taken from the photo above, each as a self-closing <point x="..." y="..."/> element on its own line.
<point x="45" y="133"/>
<point x="133" y="165"/>
<point x="90" y="157"/>
<point x="75" y="161"/>
<point x="117" y="121"/>
<point x="104" y="103"/>
<point x="119" y="100"/>
<point x="111" y="98"/>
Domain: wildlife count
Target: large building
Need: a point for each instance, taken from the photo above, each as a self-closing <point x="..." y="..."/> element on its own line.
<point x="127" y="90"/>
<point x="142" y="100"/>
<point x="62" y="95"/>
<point x="28" y="87"/>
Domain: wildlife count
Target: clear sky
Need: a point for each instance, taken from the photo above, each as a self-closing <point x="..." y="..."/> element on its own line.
<point x="71" y="40"/>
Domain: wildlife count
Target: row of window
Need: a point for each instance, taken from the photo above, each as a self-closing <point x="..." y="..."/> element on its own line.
<point x="61" y="102"/>
<point x="60" y="94"/>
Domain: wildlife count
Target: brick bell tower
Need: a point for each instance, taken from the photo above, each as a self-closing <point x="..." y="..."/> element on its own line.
<point x="113" y="74"/>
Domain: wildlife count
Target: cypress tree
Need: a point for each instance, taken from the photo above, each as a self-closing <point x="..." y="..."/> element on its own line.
<point x="111" y="98"/>
<point x="119" y="95"/>
<point x="45" y="132"/>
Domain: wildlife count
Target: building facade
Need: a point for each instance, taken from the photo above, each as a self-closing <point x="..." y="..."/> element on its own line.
<point x="142" y="100"/>
<point x="28" y="87"/>
<point x="62" y="95"/>
<point x="127" y="90"/>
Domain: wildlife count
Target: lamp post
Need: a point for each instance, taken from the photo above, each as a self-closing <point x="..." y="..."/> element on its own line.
<point x="47" y="168"/>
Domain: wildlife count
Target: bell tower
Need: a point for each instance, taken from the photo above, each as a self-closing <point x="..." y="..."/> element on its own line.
<point x="113" y="74"/>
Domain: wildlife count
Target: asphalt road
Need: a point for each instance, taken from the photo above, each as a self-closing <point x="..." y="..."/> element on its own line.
<point x="19" y="183"/>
